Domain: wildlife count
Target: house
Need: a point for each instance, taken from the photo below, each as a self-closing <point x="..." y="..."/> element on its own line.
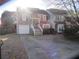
<point x="57" y="19"/>
<point x="40" y="20"/>
<point x="30" y="21"/>
<point x="34" y="20"/>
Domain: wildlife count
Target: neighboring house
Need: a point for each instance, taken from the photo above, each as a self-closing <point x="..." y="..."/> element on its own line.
<point x="57" y="19"/>
<point x="8" y="21"/>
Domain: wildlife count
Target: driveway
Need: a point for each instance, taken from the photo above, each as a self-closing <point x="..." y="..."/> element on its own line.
<point x="13" y="47"/>
<point x="38" y="47"/>
<point x="49" y="47"/>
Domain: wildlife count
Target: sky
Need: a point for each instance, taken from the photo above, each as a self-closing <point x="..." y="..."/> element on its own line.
<point x="14" y="4"/>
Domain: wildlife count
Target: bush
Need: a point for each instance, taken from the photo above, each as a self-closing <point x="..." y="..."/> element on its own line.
<point x="70" y="31"/>
<point x="7" y="30"/>
<point x="71" y="34"/>
<point x="2" y="31"/>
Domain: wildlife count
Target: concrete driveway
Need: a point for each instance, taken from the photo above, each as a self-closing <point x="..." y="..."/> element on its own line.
<point x="13" y="47"/>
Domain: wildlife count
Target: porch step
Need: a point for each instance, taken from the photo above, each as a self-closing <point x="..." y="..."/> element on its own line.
<point x="38" y="32"/>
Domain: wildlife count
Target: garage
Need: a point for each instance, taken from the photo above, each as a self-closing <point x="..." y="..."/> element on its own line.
<point x="23" y="29"/>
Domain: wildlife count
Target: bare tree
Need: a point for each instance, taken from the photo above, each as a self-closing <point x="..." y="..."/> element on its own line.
<point x="72" y="8"/>
<point x="70" y="5"/>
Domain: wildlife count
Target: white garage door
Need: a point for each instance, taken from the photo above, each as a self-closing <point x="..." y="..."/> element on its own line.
<point x="23" y="29"/>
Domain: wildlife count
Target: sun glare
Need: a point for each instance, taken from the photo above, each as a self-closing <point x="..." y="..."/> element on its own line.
<point x="23" y="4"/>
<point x="30" y="3"/>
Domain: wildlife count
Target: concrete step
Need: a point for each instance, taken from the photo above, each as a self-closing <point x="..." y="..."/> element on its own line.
<point x="35" y="30"/>
<point x="38" y="32"/>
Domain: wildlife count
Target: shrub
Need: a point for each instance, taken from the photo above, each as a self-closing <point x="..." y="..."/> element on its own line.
<point x="70" y="31"/>
<point x="7" y="30"/>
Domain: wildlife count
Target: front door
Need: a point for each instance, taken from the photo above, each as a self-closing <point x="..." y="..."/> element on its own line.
<point x="60" y="28"/>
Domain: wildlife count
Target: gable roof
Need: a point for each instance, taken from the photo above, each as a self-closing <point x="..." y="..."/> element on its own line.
<point x="39" y="11"/>
<point x="57" y="11"/>
<point x="36" y="10"/>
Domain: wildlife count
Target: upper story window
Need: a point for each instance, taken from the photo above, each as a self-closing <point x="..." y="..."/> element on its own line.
<point x="59" y="18"/>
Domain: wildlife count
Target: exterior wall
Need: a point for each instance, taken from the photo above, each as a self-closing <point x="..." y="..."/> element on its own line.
<point x="56" y="20"/>
<point x="59" y="18"/>
<point x="28" y="19"/>
<point x="51" y="19"/>
<point x="23" y="17"/>
<point x="40" y="20"/>
<point x="36" y="18"/>
<point x="23" y="22"/>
